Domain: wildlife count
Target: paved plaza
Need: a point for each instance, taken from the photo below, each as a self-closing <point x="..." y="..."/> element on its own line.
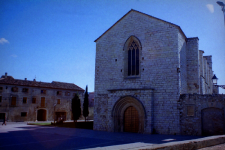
<point x="21" y="136"/>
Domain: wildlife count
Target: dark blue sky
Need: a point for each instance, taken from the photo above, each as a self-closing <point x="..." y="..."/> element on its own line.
<point x="53" y="40"/>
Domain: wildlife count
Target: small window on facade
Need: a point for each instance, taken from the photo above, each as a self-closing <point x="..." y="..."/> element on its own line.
<point x="74" y="94"/>
<point x="1" y="88"/>
<point x="13" y="102"/>
<point x="24" y="100"/>
<point x="67" y="93"/>
<point x="0" y="99"/>
<point x="59" y="92"/>
<point x="14" y="89"/>
<point x="190" y="110"/>
<point x="58" y="101"/>
<point x="34" y="100"/>
<point x="43" y="91"/>
<point x="25" y="90"/>
<point x="23" y="114"/>
<point x="42" y="101"/>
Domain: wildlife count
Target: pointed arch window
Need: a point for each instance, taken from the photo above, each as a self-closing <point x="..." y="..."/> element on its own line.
<point x="133" y="59"/>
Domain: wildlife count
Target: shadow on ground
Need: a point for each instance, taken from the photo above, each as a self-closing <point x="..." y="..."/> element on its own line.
<point x="42" y="137"/>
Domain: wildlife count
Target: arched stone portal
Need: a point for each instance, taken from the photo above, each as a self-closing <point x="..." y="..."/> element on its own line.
<point x="41" y="115"/>
<point x="124" y="112"/>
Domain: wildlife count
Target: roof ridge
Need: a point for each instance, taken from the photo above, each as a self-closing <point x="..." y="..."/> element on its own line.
<point x="60" y="82"/>
<point x="143" y="14"/>
<point x="57" y="85"/>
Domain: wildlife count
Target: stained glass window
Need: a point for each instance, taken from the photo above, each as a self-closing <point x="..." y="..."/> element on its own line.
<point x="133" y="59"/>
<point x="129" y="62"/>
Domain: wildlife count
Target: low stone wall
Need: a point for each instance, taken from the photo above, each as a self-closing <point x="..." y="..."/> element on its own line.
<point x="194" y="110"/>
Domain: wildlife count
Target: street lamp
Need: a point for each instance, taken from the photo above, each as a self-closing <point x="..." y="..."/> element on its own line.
<point x="214" y="79"/>
<point x="223" y="8"/>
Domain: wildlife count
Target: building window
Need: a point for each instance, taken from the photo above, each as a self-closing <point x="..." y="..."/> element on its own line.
<point x="43" y="91"/>
<point x="0" y="99"/>
<point x="13" y="102"/>
<point x="133" y="59"/>
<point x="24" y="100"/>
<point x="67" y="93"/>
<point x="23" y="114"/>
<point x="132" y="50"/>
<point x="58" y="101"/>
<point x="14" y="89"/>
<point x="25" y="90"/>
<point x="59" y="92"/>
<point x="34" y="100"/>
<point x="190" y="110"/>
<point x="1" y="88"/>
<point x="42" y="101"/>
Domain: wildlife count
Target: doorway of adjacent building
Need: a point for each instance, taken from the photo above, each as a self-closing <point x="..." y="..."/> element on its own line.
<point x="60" y="116"/>
<point x="212" y="121"/>
<point x="41" y="115"/>
<point x="2" y="117"/>
<point x="131" y="120"/>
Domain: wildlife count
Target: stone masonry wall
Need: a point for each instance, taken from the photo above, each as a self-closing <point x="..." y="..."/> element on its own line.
<point x="215" y="89"/>
<point x="201" y="70"/>
<point x="209" y="73"/>
<point x="206" y="68"/>
<point x="183" y="63"/>
<point x="206" y="73"/>
<point x="158" y="70"/>
<point x="191" y="106"/>
<point x="193" y="77"/>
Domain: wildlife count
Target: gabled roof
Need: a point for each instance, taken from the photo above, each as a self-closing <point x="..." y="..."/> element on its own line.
<point x="132" y="10"/>
<point x="9" y="80"/>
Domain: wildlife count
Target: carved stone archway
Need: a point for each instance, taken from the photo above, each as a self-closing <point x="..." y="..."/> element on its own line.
<point x="118" y="113"/>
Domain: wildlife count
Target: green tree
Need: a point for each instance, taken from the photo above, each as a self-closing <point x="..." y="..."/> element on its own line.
<point x="86" y="104"/>
<point x="76" y="110"/>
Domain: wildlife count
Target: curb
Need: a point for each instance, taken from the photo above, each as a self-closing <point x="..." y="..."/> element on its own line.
<point x="189" y="144"/>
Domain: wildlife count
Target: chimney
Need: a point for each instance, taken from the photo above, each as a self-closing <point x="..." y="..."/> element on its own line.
<point x="6" y="75"/>
<point x="25" y="79"/>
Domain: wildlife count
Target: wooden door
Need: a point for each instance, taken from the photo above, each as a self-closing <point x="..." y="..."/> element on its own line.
<point x="213" y="121"/>
<point x="2" y="117"/>
<point x="131" y="120"/>
<point x="41" y="115"/>
<point x="42" y="101"/>
<point x="13" y="102"/>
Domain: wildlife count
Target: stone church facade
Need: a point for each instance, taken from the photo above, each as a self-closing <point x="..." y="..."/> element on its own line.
<point x="143" y="66"/>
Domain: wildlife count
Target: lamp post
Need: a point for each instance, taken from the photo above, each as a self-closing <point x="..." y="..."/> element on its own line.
<point x="223" y="8"/>
<point x="214" y="80"/>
